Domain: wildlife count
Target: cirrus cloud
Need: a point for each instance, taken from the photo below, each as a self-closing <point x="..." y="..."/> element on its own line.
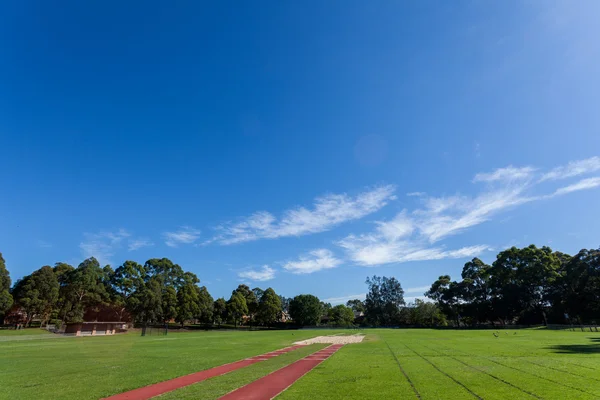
<point x="266" y="273"/>
<point x="316" y="260"/>
<point x="328" y="211"/>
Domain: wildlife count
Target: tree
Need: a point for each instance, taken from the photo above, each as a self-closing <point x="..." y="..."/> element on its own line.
<point x="447" y="295"/>
<point x="521" y="280"/>
<point x="579" y="286"/>
<point x="219" y="311"/>
<point x="171" y="274"/>
<point x="6" y="299"/>
<point x="341" y="315"/>
<point x="258" y="293"/>
<point x="306" y="310"/>
<point x="356" y="305"/>
<point x="269" y="307"/>
<point x="147" y="302"/>
<point x="188" y="300"/>
<point x="84" y="290"/>
<point x="37" y="294"/>
<point x="61" y="270"/>
<point x="385" y="296"/>
<point x="475" y="290"/>
<point x="125" y="282"/>
<point x="237" y="307"/>
<point x="205" y="305"/>
<point x="249" y="296"/>
<point x="426" y="314"/>
<point x="169" y="304"/>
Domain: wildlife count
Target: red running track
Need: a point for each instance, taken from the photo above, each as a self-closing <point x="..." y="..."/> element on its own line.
<point x="156" y="389"/>
<point x="271" y="385"/>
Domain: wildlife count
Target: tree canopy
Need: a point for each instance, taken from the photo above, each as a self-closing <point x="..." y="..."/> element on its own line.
<point x="384" y="298"/>
<point x="6" y="299"/>
<point x="341" y="315"/>
<point x="306" y="310"/>
<point x="269" y="308"/>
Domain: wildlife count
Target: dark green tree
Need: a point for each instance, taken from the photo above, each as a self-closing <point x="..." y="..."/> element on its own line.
<point x="188" y="300"/>
<point x="6" y="299"/>
<point x="125" y="282"/>
<point x="84" y="290"/>
<point x="237" y="307"/>
<point x="171" y="274"/>
<point x="476" y="291"/>
<point x="521" y="280"/>
<point x="579" y="287"/>
<point x="269" y="308"/>
<point x="447" y="294"/>
<point x="384" y="298"/>
<point x="219" y="311"/>
<point x="205" y="305"/>
<point x="37" y="294"/>
<point x="250" y="297"/>
<point x="356" y="305"/>
<point x="169" y="304"/>
<point x="341" y="315"/>
<point x="306" y="310"/>
<point x="147" y="302"/>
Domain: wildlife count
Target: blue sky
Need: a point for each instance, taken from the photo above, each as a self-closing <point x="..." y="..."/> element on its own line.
<point x="298" y="145"/>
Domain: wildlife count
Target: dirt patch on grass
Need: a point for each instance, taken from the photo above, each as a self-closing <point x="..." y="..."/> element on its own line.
<point x="334" y="339"/>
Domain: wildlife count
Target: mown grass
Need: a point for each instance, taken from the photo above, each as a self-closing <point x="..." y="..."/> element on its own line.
<point x="389" y="364"/>
<point x="23" y="332"/>
<point x="96" y="367"/>
<point x="524" y="364"/>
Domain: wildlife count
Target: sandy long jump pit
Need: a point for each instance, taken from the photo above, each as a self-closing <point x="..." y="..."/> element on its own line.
<point x="333" y="339"/>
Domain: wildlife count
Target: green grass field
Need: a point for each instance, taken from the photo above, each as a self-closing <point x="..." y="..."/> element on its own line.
<point x="426" y="364"/>
<point x="23" y="332"/>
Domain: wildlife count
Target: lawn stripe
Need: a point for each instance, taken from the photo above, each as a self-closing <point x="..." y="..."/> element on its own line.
<point x="529" y="373"/>
<point x="402" y="369"/>
<point x="455" y="381"/>
<point x="487" y="373"/>
<point x="562" y="370"/>
<point x="580" y="365"/>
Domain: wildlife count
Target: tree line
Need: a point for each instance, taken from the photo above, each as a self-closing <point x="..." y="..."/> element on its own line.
<point x="527" y="285"/>
<point x="156" y="292"/>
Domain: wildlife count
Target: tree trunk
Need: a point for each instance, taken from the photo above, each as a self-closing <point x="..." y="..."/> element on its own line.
<point x="544" y="317"/>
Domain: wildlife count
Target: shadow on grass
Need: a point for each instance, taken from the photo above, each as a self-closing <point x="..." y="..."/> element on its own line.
<point x="591" y="348"/>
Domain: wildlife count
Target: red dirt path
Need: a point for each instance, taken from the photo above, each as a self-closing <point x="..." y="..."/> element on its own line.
<point x="271" y="385"/>
<point x="156" y="389"/>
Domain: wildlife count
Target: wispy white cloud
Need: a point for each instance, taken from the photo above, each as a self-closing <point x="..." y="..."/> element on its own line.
<point x="136" y="244"/>
<point x="328" y="211"/>
<point x="574" y="168"/>
<point x="410" y="236"/>
<point x="266" y="273"/>
<point x="584" y="184"/>
<point x="416" y="194"/>
<point x="315" y="261"/>
<point x="344" y="299"/>
<point x="443" y="217"/>
<point x="103" y="245"/>
<point x="184" y="235"/>
<point x="506" y="174"/>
